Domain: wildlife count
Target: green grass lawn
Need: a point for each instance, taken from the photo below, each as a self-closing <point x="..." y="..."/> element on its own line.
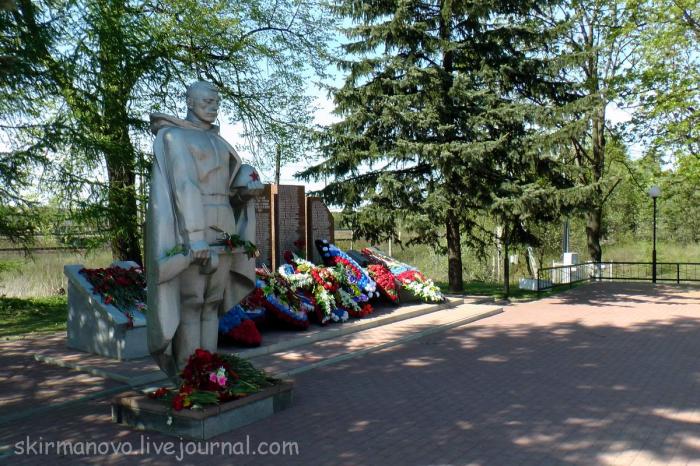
<point x="495" y="290"/>
<point x="19" y="316"/>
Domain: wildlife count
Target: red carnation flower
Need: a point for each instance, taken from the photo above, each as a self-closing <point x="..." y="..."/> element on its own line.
<point x="160" y="393"/>
<point x="202" y="355"/>
<point x="178" y="402"/>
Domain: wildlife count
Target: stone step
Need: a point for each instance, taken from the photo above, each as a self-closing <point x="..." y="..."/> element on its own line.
<point x="320" y="353"/>
<point x="275" y="341"/>
<point x="144" y="371"/>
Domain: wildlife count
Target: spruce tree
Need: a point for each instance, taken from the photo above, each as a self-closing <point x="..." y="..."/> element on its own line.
<point x="441" y="123"/>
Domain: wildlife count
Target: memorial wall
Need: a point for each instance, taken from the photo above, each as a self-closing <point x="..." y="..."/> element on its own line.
<point x="288" y="220"/>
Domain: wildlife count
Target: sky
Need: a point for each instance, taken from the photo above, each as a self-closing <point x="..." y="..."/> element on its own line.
<point x="322" y="116"/>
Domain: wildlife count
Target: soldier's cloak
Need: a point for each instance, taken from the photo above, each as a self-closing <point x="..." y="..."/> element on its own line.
<point x="162" y="235"/>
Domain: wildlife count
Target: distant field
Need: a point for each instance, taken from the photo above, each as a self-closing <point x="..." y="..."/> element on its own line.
<point x="641" y="252"/>
<point x="41" y="274"/>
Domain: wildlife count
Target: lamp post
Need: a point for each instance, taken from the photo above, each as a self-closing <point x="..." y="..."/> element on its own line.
<point x="654" y="192"/>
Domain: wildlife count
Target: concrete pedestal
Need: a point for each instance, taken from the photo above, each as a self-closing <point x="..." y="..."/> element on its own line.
<point x="138" y="411"/>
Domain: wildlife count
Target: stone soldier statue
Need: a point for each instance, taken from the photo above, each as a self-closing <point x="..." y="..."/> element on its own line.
<point x="199" y="188"/>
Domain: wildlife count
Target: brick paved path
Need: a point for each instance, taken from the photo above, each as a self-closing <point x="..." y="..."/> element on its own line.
<point x="604" y="374"/>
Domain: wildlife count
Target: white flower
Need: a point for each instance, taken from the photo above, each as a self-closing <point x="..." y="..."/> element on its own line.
<point x="169" y="421"/>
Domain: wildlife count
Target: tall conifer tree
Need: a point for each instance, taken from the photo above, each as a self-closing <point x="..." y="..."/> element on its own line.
<point x="439" y="117"/>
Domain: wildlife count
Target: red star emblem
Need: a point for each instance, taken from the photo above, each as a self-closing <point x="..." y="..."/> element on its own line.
<point x="254" y="176"/>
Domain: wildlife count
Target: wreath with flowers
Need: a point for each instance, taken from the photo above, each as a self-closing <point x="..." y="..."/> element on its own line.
<point x="356" y="287"/>
<point x="254" y="306"/>
<point x="272" y="302"/>
<point x="386" y="282"/>
<point x="333" y="256"/>
<point x="285" y="313"/>
<point x="410" y="278"/>
<point x="318" y="283"/>
<point x="236" y="327"/>
<point x="281" y="302"/>
<point x="325" y="278"/>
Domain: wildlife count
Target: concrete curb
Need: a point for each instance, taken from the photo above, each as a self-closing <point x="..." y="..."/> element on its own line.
<point x="144" y="379"/>
<point x="63" y="404"/>
<point x="324" y="334"/>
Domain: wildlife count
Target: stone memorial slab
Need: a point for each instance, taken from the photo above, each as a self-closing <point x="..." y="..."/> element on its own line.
<point x="263" y="226"/>
<point x="99" y="328"/>
<point x="290" y="222"/>
<point x="319" y="226"/>
<point x="287" y="220"/>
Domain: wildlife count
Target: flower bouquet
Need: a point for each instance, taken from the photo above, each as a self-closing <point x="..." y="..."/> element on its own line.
<point x="232" y="242"/>
<point x="410" y="278"/>
<point x="212" y="378"/>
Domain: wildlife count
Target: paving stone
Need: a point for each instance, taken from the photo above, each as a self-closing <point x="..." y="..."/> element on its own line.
<point x="602" y="374"/>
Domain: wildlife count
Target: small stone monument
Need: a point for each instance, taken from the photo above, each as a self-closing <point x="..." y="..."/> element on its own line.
<point x="97" y="327"/>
